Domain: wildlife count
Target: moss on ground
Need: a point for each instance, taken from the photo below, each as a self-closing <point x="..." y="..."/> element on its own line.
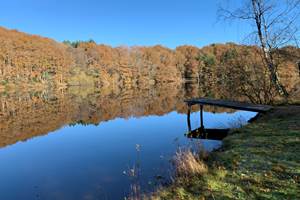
<point x="258" y="161"/>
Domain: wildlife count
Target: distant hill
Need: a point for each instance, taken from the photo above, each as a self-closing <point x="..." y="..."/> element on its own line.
<point x="33" y="61"/>
<point x="30" y="59"/>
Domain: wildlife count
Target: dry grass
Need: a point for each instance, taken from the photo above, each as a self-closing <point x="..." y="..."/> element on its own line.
<point x="189" y="163"/>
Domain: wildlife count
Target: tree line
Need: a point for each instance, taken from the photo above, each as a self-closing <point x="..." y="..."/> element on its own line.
<point x="30" y="60"/>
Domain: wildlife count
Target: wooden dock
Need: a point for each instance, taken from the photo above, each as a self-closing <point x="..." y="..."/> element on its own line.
<point x="217" y="134"/>
<point x="229" y="104"/>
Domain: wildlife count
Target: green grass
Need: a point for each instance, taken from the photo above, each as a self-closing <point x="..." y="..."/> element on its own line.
<point x="258" y="161"/>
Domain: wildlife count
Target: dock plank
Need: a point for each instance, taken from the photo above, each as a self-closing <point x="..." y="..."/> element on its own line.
<point x="229" y="104"/>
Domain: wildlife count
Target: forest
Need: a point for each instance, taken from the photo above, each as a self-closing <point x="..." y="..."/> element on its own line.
<point x="30" y="61"/>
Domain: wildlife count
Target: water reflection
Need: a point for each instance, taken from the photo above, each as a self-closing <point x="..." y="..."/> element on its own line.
<point x="95" y="145"/>
<point x="214" y="133"/>
<point x="209" y="134"/>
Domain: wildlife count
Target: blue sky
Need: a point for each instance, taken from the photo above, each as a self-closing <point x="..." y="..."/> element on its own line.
<point x="123" y="22"/>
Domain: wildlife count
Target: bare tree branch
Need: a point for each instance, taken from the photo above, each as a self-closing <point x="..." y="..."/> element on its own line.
<point x="276" y="24"/>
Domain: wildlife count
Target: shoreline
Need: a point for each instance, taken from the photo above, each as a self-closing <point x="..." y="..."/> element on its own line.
<point x="257" y="161"/>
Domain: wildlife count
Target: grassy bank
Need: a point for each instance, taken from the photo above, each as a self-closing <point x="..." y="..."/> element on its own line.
<point x="258" y="161"/>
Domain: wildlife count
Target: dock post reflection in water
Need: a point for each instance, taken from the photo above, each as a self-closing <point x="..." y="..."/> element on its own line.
<point x="201" y="119"/>
<point x="189" y="118"/>
<point x="202" y="132"/>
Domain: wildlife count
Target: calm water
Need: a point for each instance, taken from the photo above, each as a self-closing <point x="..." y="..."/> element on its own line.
<point x="96" y="146"/>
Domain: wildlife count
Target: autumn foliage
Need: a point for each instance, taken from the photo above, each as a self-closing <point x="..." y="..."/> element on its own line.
<point x="29" y="60"/>
<point x="26" y="59"/>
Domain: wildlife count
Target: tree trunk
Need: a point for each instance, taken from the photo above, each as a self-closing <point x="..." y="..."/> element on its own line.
<point x="267" y="54"/>
<point x="298" y="67"/>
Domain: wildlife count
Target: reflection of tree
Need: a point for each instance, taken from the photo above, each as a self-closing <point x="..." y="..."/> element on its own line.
<point x="26" y="115"/>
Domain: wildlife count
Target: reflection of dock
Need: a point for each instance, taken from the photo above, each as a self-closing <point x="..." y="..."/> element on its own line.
<point x="217" y="134"/>
<point x="211" y="134"/>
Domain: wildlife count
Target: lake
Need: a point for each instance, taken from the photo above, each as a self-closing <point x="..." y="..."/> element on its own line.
<point x="89" y="144"/>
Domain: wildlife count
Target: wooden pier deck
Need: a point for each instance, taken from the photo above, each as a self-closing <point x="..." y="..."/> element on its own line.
<point x="229" y="104"/>
<point x="204" y="133"/>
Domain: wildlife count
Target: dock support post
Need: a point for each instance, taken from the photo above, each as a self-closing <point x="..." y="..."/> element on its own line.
<point x="201" y="119"/>
<point x="189" y="118"/>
